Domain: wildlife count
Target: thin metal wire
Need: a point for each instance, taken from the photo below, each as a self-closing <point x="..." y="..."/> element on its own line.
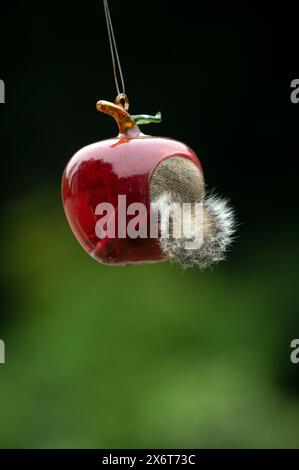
<point x="114" y="51"/>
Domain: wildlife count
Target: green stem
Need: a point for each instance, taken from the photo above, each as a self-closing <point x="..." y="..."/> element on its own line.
<point x="146" y="119"/>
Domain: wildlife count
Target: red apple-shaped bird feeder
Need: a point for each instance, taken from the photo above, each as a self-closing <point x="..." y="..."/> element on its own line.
<point x="137" y="168"/>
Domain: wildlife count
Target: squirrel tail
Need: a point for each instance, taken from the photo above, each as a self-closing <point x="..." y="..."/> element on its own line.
<point x="216" y="232"/>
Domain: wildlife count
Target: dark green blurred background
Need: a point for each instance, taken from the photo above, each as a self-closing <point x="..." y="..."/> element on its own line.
<point x="149" y="356"/>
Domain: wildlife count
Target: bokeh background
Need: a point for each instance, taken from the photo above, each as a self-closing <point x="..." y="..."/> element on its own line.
<point x="149" y="356"/>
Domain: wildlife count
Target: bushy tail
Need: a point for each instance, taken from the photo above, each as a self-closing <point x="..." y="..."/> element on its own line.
<point x="218" y="227"/>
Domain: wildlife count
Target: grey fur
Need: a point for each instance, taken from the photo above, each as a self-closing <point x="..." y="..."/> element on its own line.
<point x="217" y="237"/>
<point x="177" y="179"/>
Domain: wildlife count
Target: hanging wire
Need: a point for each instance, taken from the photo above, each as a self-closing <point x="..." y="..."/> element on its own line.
<point x="114" y="53"/>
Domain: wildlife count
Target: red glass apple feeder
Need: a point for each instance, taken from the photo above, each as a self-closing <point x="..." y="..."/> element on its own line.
<point x="123" y="165"/>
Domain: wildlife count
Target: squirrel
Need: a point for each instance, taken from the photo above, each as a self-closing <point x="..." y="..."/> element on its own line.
<point x="179" y="180"/>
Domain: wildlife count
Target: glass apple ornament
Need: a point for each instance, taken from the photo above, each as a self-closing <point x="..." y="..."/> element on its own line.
<point x="101" y="172"/>
<point x="137" y="168"/>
